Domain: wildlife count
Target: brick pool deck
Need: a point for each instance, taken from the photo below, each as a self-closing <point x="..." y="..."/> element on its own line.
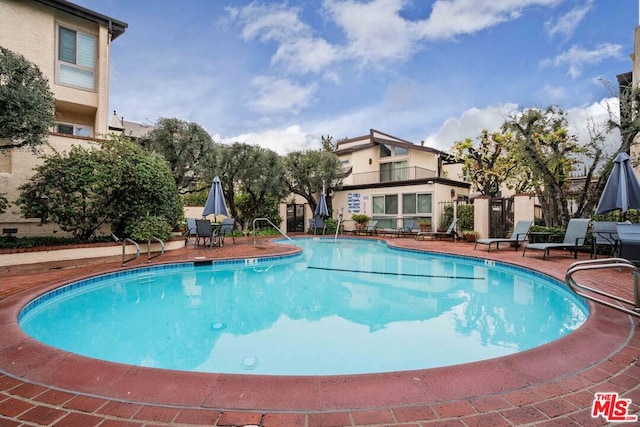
<point x="552" y="385"/>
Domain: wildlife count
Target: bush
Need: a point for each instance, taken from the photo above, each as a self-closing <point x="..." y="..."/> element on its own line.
<point x="10" y="242"/>
<point x="151" y="226"/>
<point x="465" y="217"/>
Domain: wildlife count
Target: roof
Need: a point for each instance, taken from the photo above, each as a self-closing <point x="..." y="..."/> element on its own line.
<point x="116" y="27"/>
<point x="132" y="129"/>
<point x="376" y="137"/>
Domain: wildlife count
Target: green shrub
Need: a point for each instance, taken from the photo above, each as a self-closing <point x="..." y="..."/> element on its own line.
<point x="151" y="226"/>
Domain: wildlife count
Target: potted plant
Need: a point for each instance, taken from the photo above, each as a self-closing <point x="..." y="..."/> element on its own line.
<point x="361" y="220"/>
<point x="425" y="224"/>
<point x="470" y="235"/>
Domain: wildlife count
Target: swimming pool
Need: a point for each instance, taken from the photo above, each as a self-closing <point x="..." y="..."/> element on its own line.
<point x="342" y="307"/>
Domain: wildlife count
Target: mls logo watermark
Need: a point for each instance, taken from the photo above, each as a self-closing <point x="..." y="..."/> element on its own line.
<point x="612" y="408"/>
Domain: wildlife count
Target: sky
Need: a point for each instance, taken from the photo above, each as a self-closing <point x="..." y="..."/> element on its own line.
<point x="281" y="74"/>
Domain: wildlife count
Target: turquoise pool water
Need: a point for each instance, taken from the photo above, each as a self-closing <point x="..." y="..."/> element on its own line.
<point x="341" y="307"/>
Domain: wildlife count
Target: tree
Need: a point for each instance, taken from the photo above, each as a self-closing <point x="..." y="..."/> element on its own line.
<point x="309" y="172"/>
<point x="539" y="141"/>
<point x="486" y="164"/>
<point x="249" y="174"/>
<point x="26" y="103"/>
<point x="184" y="145"/>
<point x="118" y="183"/>
<point x="145" y="186"/>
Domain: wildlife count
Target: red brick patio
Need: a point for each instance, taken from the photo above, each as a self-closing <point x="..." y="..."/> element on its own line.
<point x="550" y="385"/>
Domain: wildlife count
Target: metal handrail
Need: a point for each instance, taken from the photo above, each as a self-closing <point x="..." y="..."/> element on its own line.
<point x="149" y="257"/>
<point x="272" y="224"/>
<point x="608" y="263"/>
<point x="340" y="219"/>
<point x="124" y="244"/>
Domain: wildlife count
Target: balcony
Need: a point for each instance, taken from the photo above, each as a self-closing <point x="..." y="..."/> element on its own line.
<point x="393" y="175"/>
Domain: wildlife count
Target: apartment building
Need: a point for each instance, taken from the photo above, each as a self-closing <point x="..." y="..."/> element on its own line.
<point x="71" y="45"/>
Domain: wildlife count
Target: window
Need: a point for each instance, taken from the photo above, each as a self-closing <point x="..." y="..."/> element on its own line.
<point x="385" y="204"/>
<point x="69" y="129"/>
<point x="402" y="151"/>
<point x="394" y="171"/>
<point x="76" y="59"/>
<point x="416" y="203"/>
<point x="387" y="150"/>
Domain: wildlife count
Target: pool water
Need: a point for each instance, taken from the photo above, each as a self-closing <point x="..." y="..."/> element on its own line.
<point x="343" y="306"/>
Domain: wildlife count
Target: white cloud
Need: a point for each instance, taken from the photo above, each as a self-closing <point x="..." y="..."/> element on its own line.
<point x="566" y="24"/>
<point x="282" y="141"/>
<point x="276" y="23"/>
<point x="469" y="125"/>
<point x="576" y="57"/>
<point x="450" y="18"/>
<point x="374" y="30"/>
<point x="306" y="55"/>
<point x="273" y="95"/>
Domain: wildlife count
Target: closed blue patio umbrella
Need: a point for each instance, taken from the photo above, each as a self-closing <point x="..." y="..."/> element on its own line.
<point x="321" y="207"/>
<point x="215" y="201"/>
<point x="622" y="191"/>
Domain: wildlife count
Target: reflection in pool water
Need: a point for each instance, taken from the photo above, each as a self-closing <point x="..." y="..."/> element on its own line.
<point x="342" y="307"/>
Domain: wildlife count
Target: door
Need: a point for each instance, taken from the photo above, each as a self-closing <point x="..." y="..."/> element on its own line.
<point x="295" y="218"/>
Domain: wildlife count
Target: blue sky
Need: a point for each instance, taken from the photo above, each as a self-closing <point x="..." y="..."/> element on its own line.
<point x="281" y="74"/>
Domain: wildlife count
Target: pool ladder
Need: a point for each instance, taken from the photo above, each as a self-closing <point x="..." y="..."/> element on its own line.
<point x="127" y="240"/>
<point x="272" y="224"/>
<point x="630" y="307"/>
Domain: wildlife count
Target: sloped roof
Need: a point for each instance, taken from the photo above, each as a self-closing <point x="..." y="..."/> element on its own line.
<point x="116" y="27"/>
<point x="376" y="137"/>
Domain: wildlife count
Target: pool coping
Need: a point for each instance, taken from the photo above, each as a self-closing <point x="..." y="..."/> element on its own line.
<point x="605" y="333"/>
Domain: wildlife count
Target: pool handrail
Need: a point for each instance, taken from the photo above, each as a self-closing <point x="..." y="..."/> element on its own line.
<point x="124" y="244"/>
<point x="607" y="263"/>
<point x="272" y="224"/>
<point x="149" y="257"/>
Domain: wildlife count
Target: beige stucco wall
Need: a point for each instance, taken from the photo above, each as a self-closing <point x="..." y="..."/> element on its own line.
<point x="344" y="199"/>
<point x="30" y="28"/>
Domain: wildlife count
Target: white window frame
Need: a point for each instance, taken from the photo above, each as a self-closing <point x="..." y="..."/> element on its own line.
<point x="76" y="129"/>
<point x="77" y="65"/>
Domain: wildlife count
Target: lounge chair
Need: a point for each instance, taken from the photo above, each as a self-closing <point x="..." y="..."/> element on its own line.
<point x="227" y="228"/>
<point x="629" y="235"/>
<point x="519" y="235"/>
<point x="407" y="229"/>
<point x="317" y="224"/>
<point x="205" y="231"/>
<point x="605" y="233"/>
<point x="575" y="237"/>
<point x="450" y="233"/>
<point x="372" y="228"/>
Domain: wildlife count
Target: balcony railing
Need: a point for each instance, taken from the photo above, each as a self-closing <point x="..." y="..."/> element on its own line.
<point x="393" y="175"/>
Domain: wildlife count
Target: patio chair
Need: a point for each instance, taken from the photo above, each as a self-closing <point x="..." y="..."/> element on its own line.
<point x="205" y="231"/>
<point x="605" y="233"/>
<point x="190" y="231"/>
<point x="629" y="235"/>
<point x="519" y="235"/>
<point x="449" y="233"/>
<point x="317" y="224"/>
<point x="575" y="237"/>
<point x="407" y="229"/>
<point x="227" y="228"/>
<point x="372" y="228"/>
